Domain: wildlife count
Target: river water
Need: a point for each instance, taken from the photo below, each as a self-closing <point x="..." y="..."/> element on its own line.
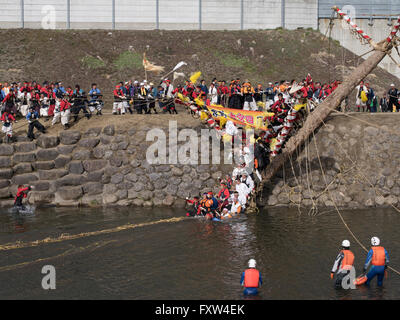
<point x="189" y="258"/>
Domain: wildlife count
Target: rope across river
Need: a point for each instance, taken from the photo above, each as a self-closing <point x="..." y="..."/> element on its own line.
<point x="67" y="237"/>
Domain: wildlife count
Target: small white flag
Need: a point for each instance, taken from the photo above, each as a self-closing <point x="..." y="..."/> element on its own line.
<point x="179" y="65"/>
<point x="178" y="75"/>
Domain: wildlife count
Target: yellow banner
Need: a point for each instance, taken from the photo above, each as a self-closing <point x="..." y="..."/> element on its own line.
<point x="255" y="119"/>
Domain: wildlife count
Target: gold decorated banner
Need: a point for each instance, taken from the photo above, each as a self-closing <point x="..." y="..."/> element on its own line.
<point x="255" y="119"/>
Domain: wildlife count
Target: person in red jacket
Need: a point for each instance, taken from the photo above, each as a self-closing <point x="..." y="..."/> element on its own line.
<point x="195" y="209"/>
<point x="223" y="94"/>
<point x="9" y="102"/>
<point x="22" y="193"/>
<point x="7" y="119"/>
<point x="223" y="196"/>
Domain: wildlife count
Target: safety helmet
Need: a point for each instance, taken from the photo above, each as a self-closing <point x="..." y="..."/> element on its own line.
<point x="252" y="263"/>
<point x="346" y="243"/>
<point x="375" y="241"/>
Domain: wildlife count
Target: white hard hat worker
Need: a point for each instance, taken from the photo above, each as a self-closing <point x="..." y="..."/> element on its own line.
<point x="375" y="241"/>
<point x="252" y="263"/>
<point x="346" y="244"/>
<point x="251" y="279"/>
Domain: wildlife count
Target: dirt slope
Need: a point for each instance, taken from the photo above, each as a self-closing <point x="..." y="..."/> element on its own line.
<point x="86" y="56"/>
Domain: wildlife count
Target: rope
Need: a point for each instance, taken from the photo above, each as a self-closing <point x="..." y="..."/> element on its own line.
<point x="67" y="237"/>
<point x="334" y="204"/>
<point x="65" y="253"/>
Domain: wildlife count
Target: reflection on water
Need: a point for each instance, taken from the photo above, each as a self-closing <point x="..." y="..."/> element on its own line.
<point x="192" y="258"/>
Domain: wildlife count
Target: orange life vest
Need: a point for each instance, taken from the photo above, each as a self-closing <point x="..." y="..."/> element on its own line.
<point x="251" y="278"/>
<point x="378" y="256"/>
<point x="348" y="260"/>
<point x="209" y="203"/>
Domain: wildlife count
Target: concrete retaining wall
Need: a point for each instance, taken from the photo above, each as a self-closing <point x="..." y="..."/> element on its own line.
<point x="378" y="31"/>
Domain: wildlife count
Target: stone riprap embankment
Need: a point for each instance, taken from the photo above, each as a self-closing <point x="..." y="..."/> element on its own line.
<point x="102" y="166"/>
<point x="360" y="157"/>
<point x="359" y="154"/>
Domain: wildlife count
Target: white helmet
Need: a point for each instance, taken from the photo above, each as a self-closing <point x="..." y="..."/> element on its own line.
<point x="252" y="263"/>
<point x="375" y="241"/>
<point x="346" y="243"/>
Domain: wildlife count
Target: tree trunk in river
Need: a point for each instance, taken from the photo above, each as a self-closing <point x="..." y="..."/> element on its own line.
<point x="315" y="118"/>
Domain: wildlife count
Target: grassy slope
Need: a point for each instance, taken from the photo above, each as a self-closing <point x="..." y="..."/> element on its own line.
<point x="106" y="57"/>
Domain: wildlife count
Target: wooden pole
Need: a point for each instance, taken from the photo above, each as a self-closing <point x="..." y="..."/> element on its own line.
<point x="315" y="119"/>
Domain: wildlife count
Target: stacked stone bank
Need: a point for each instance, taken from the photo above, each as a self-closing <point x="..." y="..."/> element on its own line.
<point x="360" y="157"/>
<point x="102" y="166"/>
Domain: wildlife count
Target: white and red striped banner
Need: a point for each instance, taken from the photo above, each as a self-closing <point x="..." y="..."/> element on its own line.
<point x="393" y="33"/>
<point x="356" y="29"/>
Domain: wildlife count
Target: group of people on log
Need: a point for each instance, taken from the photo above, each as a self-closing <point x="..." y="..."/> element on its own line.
<point x="230" y="201"/>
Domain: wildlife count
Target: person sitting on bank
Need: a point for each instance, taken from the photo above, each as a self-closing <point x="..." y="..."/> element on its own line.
<point x="343" y="263"/>
<point x="251" y="279"/>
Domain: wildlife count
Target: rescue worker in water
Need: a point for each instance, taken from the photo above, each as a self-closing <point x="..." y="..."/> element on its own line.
<point x="379" y="259"/>
<point x="343" y="263"/>
<point x="251" y="279"/>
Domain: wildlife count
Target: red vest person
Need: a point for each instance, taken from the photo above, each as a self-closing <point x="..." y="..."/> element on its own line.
<point x="251" y="279"/>
<point x="343" y="263"/>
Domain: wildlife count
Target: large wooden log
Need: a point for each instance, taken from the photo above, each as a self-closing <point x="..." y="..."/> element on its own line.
<point x="315" y="119"/>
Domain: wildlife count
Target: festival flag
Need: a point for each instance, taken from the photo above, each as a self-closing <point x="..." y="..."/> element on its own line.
<point x="255" y="119"/>
<point x="178" y="75"/>
<point x="195" y="76"/>
<point x="148" y="66"/>
<point x="179" y="65"/>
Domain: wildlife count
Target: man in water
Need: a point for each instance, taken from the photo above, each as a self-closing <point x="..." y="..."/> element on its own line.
<point x="22" y="193"/>
<point x="379" y="259"/>
<point x="343" y="263"/>
<point x="251" y="279"/>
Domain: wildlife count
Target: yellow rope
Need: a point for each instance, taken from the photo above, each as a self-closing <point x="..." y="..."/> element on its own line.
<point x="67" y="237"/>
<point x="65" y="253"/>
